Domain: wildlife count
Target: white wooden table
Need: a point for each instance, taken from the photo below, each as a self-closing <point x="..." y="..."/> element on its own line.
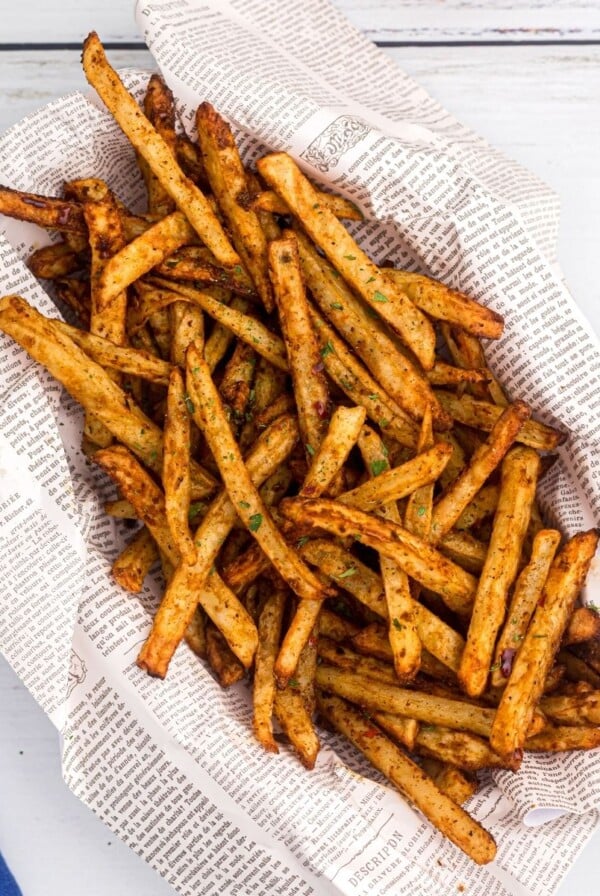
<point x="526" y="75"/>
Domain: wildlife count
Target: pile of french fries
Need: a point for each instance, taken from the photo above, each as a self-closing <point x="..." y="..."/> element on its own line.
<point x="341" y="495"/>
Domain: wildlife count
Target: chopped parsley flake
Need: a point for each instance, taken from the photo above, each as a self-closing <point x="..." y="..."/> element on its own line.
<point x="327" y="349"/>
<point x="189" y="404"/>
<point x="378" y="466"/>
<point x="379" y="297"/>
<point x="255" y="522"/>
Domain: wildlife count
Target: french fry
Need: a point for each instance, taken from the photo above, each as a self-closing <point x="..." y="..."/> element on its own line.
<point x="185" y="588"/>
<point x="225" y="172"/>
<point x="347" y="571"/>
<point x="231" y="618"/>
<point x="583" y="625"/>
<point x="480" y="508"/>
<point x="573" y="709"/>
<point x="57" y="260"/>
<point x="120" y="509"/>
<point x="527" y="593"/>
<point x="310" y="386"/>
<point x="459" y="748"/>
<point x="210" y="416"/>
<point x="355" y="381"/>
<point x="186" y="325"/>
<point x="390" y="367"/>
<point x="195" y="633"/>
<point x="391" y="485"/>
<point x="402" y="632"/>
<point x="53" y="214"/>
<point x="198" y="265"/>
<point x="159" y="109"/>
<point x="484" y="415"/>
<point x="152" y="147"/>
<point x="335" y="654"/>
<point x="404" y="731"/>
<point x="293" y="717"/>
<point x="520" y="470"/>
<point x="450" y="780"/>
<point x="389" y="301"/>
<point x="419" y="507"/>
<point x="442" y="642"/>
<point x="410" y="780"/>
<point x="577" y="669"/>
<point x="176" y="467"/>
<point x="221" y="658"/>
<point x="245" y="327"/>
<point x="447" y="304"/>
<point x="563" y="737"/>
<point x="526" y="681"/>
<point x="343" y="431"/>
<point x="91" y="386"/>
<point x="333" y="626"/>
<point x="467" y="352"/>
<point x="464" y="550"/>
<point x="483" y="462"/>
<point x="134" y="562"/>
<point x="263" y="690"/>
<point x="269" y="201"/>
<point x="418" y="559"/>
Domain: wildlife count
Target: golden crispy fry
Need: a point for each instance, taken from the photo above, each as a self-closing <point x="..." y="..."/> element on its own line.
<point x="54" y="261"/>
<point x="447" y="304"/>
<point x="441" y="641"/>
<point x="152" y="147"/>
<point x="225" y="172"/>
<point x="562" y="737"/>
<point x="176" y="467"/>
<point x="210" y="416"/>
<point x="391" y="485"/>
<point x="198" y="265"/>
<point x="120" y="509"/>
<point x="583" y="625"/>
<point x="343" y="431"/>
<point x="76" y="295"/>
<point x="419" y="507"/>
<point x="573" y="709"/>
<point x="122" y="359"/>
<point x="465" y="550"/>
<point x="356" y="382"/>
<point x="526" y="682"/>
<point x="185" y="588"/>
<point x="381" y="293"/>
<point x="347" y="571"/>
<point x="246" y="328"/>
<point x="159" y="109"/>
<point x="427" y="708"/>
<point x="485" y="459"/>
<point x="450" y="780"/>
<point x="310" y="386"/>
<point x="483" y="415"/>
<point x="134" y="562"/>
<point x="195" y="633"/>
<point x="54" y="214"/>
<point x="334" y="627"/>
<point x="442" y="374"/>
<point x="520" y="470"/>
<point x="293" y="717"/>
<point x="263" y="690"/>
<point x="402" y="632"/>
<point x="221" y="658"/>
<point x="459" y="748"/>
<point x="107" y="318"/>
<point x="390" y="367"/>
<point x="141" y="490"/>
<point x="231" y="618"/>
<point x="526" y="595"/>
<point x="577" y="669"/>
<point x="91" y="386"/>
<point x="403" y="731"/>
<point x="341" y="657"/>
<point x="269" y="201"/>
<point x="418" y="559"/>
<point x="480" y="508"/>
<point x="185" y="325"/>
<point x="143" y="253"/>
<point x="411" y="781"/>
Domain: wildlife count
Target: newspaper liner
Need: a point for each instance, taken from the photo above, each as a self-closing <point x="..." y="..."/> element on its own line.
<point x="172" y="766"/>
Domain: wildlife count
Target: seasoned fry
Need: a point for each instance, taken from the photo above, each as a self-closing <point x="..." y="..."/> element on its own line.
<point x="198" y="265"/>
<point x="245" y="327"/>
<point x="335" y="654"/>
<point x="389" y="301"/>
<point x="390" y="367"/>
<point x="483" y="415"/>
<point x="520" y="470"/>
<point x="221" y="659"/>
<point x="143" y="253"/>
<point x="263" y="691"/>
<point x="54" y="261"/>
<point x="412" y="782"/>
<point x="186" y="325"/>
<point x="185" y="588"/>
<point x="482" y="506"/>
<point x="391" y="485"/>
<point x="343" y="431"/>
<point x="54" y="214"/>
<point x="226" y="175"/>
<point x="573" y="709"/>
<point x="293" y="717"/>
<point x="134" y="562"/>
<point x="526" y="682"/>
<point x="485" y="459"/>
<point x="450" y="780"/>
<point x="176" y="467"/>
<point x="120" y="509"/>
<point x="447" y="304"/>
<point x="584" y="625"/>
<point x="91" y="386"/>
<point x="563" y="737"/>
<point x="195" y="634"/>
<point x="310" y="385"/>
<point x="152" y="147"/>
<point x="419" y="507"/>
<point x="159" y="109"/>
<point x="418" y="559"/>
<point x="458" y="748"/>
<point x="437" y="637"/>
<point x="210" y="417"/>
<point x="527" y="593"/>
<point x="268" y="201"/>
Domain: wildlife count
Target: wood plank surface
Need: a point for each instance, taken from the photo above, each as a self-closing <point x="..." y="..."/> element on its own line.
<point x="384" y="20"/>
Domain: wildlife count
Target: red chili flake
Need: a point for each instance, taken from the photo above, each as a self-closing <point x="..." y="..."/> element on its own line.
<point x="319" y="367"/>
<point x="371" y="732"/>
<point x="312" y="641"/>
<point x="64" y="215"/>
<point x="506" y="661"/>
<point x="321" y="409"/>
<point x="35" y="202"/>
